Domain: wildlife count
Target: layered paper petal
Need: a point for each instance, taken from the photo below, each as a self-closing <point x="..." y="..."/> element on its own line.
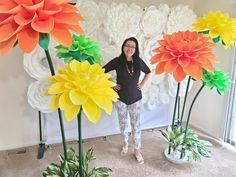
<point x="122" y="21"/>
<point x="82" y="84"/>
<point x="37" y="98"/>
<point x="35" y="63"/>
<point x="216" y="79"/>
<point x="25" y="20"/>
<point x="219" y="26"/>
<point x="82" y="48"/>
<point x="180" y="18"/>
<point x="184" y="53"/>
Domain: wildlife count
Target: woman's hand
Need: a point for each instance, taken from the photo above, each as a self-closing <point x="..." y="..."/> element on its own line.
<point x="116" y="88"/>
<point x="140" y="86"/>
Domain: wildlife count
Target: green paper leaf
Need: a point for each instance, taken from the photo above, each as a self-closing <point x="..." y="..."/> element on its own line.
<point x="205" y="32"/>
<point x="216" y="40"/>
<point x="44" y="40"/>
<point x="223" y="42"/>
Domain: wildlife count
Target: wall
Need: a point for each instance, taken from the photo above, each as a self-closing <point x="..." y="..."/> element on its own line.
<point x="18" y="121"/>
<point x="209" y="112"/>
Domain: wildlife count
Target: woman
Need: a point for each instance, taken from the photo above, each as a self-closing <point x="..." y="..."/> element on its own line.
<point x="128" y="67"/>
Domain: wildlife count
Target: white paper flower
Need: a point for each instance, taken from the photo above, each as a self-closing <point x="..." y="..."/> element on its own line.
<point x="173" y="86"/>
<point x="141" y="40"/>
<point x="36" y="64"/>
<point x="164" y="8"/>
<point x="163" y="94"/>
<point x="153" y="21"/>
<point x="91" y="14"/>
<point x="150" y="96"/>
<point x="103" y="7"/>
<point x="180" y="18"/>
<point x="121" y="22"/>
<point x="37" y="98"/>
<point x="157" y="79"/>
<point x="148" y="47"/>
<point x="153" y="100"/>
<point x="137" y="8"/>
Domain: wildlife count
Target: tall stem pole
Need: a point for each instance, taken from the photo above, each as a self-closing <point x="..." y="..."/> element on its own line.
<point x="173" y="119"/>
<point x="178" y="110"/>
<point x="185" y="98"/>
<point x="189" y="113"/>
<point x="59" y="111"/>
<point x="81" y="154"/>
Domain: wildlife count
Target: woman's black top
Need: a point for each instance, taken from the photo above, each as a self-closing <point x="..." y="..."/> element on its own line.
<point x="129" y="92"/>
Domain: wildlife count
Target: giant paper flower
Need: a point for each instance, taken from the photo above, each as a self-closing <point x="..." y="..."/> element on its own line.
<point x="220" y="27"/>
<point x="82" y="48"/>
<point x="180" y="18"/>
<point x="217" y="79"/>
<point x="82" y="85"/>
<point x="27" y="21"/>
<point x="37" y="98"/>
<point x="184" y="53"/>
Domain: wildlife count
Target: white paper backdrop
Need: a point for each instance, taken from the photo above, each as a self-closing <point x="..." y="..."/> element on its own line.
<point x="108" y="125"/>
<point x="109" y="25"/>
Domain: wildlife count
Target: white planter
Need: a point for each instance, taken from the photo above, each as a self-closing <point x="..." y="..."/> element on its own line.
<point x="174" y="157"/>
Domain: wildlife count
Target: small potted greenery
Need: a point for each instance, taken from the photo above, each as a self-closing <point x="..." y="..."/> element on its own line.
<point x="71" y="166"/>
<point x="191" y="149"/>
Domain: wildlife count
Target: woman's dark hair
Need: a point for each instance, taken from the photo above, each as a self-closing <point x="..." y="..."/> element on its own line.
<point x="135" y="56"/>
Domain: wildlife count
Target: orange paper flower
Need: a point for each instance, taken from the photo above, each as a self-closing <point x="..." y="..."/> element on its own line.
<point x="184" y="53"/>
<point x="22" y="21"/>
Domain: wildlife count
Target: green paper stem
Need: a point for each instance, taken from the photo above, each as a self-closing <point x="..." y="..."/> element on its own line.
<point x="185" y="99"/>
<point x="59" y="111"/>
<point x="173" y="119"/>
<point x="44" y="40"/>
<point x="81" y="154"/>
<point x="189" y="113"/>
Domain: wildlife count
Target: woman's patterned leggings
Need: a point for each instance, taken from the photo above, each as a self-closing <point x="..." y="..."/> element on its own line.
<point x="134" y="113"/>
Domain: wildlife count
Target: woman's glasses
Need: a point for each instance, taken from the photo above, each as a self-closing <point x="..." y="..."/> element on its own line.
<point x="131" y="47"/>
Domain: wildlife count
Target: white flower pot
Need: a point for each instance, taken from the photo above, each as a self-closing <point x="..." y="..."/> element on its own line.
<point x="174" y="157"/>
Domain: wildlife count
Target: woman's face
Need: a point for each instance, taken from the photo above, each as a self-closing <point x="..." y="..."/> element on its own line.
<point x="129" y="49"/>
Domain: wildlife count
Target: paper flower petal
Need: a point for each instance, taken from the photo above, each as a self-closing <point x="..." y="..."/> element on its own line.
<point x="121" y="22"/>
<point x="91" y="13"/>
<point x="82" y="84"/>
<point x="35" y="63"/>
<point x="25" y="20"/>
<point x="181" y="18"/>
<point x="181" y="53"/>
<point x="219" y="26"/>
<point x="153" y="21"/>
<point x="37" y="98"/>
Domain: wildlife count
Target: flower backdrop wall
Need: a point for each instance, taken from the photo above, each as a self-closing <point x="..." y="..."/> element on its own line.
<point x="99" y="29"/>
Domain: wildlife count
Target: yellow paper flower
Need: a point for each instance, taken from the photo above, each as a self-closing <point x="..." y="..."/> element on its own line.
<point x="82" y="84"/>
<point x="219" y="26"/>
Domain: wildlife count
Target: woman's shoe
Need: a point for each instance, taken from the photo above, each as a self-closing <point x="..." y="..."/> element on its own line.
<point x="138" y="156"/>
<point x="124" y="151"/>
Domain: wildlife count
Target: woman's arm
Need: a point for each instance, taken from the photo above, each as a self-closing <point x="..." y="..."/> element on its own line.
<point x="142" y="83"/>
<point x="111" y="65"/>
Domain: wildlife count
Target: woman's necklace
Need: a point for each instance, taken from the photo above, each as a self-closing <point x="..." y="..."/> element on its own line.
<point x="130" y="72"/>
